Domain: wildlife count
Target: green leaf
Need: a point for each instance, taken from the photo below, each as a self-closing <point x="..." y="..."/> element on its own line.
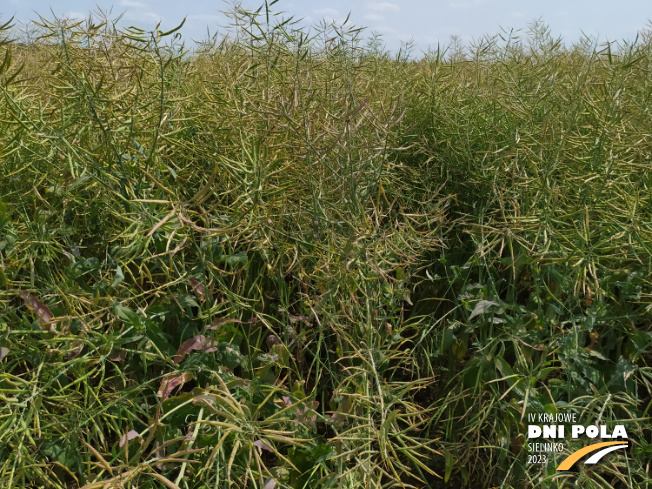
<point x="172" y="31"/>
<point x="450" y="463"/>
<point x="188" y="301"/>
<point x="482" y="307"/>
<point x="237" y="259"/>
<point x="157" y="337"/>
<point x="126" y="315"/>
<point x="119" y="277"/>
<point x="62" y="451"/>
<point x="449" y="337"/>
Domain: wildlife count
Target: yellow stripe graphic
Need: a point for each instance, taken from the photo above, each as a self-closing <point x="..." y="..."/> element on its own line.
<point x="571" y="459"/>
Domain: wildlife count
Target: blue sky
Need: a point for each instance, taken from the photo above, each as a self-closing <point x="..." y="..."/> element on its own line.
<point x="424" y="22"/>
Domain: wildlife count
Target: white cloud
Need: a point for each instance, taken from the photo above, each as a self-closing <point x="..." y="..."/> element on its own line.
<point x="466" y="4"/>
<point x="76" y="15"/>
<point x="383" y="6"/>
<point x="385" y="29"/>
<point x="327" y="12"/>
<point x="132" y="4"/>
<point x="373" y="17"/>
<point x="204" y="17"/>
<point x="145" y="17"/>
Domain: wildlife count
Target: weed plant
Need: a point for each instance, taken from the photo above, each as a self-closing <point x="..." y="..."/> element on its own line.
<point x="291" y="259"/>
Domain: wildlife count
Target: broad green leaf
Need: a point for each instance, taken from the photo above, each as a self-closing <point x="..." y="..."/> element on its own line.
<point x="119" y="277"/>
<point x="482" y="307"/>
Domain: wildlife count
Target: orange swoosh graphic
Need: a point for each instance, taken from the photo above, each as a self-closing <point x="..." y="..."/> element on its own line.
<point x="571" y="459"/>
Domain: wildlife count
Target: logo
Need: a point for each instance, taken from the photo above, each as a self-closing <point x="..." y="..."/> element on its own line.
<point x="573" y="458"/>
<point x="551" y="430"/>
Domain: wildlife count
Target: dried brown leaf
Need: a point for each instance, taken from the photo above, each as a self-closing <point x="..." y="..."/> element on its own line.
<point x="306" y="414"/>
<point x="3" y="353"/>
<point x="117" y="355"/>
<point x="222" y="322"/>
<point x="130" y="435"/>
<point x="338" y="419"/>
<point x="41" y="310"/>
<point x="263" y="444"/>
<point x="285" y="402"/>
<point x="295" y="319"/>
<point x="199" y="289"/>
<point x="172" y="381"/>
<point x="79" y="346"/>
<point x="199" y="342"/>
<point x="272" y="340"/>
